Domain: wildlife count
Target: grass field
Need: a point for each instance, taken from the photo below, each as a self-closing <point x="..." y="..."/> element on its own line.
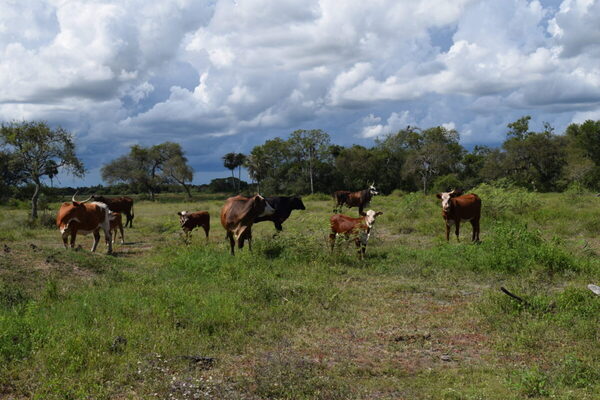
<point x="417" y="319"/>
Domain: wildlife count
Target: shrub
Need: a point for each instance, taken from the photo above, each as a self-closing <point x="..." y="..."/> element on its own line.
<point x="501" y="200"/>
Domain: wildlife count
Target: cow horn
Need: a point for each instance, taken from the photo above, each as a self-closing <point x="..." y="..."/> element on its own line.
<point x="84" y="201"/>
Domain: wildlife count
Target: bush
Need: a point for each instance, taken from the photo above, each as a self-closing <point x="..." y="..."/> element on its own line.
<point x="446" y="182"/>
<point x="501" y="200"/>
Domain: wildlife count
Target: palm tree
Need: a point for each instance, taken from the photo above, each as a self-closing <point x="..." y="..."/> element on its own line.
<point x="230" y="162"/>
<point x="240" y="159"/>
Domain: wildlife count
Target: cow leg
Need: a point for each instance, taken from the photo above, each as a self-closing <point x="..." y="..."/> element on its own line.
<point x="129" y="220"/>
<point x="107" y="236"/>
<point x="249" y="237"/>
<point x="231" y="242"/>
<point x="73" y="237"/>
<point x="65" y="239"/>
<point x="360" y="211"/>
<point x="447" y="231"/>
<point x="96" y="240"/>
<point x="475" y="225"/>
<point x="332" y="237"/>
<point x="206" y="230"/>
<point x="122" y="234"/>
<point x="457" y="230"/>
<point x="358" y="243"/>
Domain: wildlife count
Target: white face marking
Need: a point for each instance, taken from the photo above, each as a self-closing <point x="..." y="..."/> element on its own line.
<point x="446" y="201"/>
<point x="370" y="218"/>
<point x="373" y="191"/>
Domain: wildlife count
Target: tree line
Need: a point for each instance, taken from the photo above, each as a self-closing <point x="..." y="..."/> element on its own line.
<point x="430" y="159"/>
<point x="307" y="162"/>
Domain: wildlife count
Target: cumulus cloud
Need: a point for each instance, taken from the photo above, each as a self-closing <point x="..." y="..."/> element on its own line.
<point x="119" y="72"/>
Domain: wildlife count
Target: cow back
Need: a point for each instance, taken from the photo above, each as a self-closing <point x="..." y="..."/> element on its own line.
<point x="82" y="216"/>
<point x="241" y="211"/>
<point x="344" y="224"/>
<point x="466" y="206"/>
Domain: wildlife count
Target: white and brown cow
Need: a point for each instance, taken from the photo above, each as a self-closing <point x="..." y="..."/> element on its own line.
<point x="359" y="228"/>
<point x="457" y="208"/>
<point x="191" y="220"/>
<point x="81" y="217"/>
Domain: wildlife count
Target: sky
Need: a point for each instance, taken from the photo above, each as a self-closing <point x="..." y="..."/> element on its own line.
<point x="223" y="76"/>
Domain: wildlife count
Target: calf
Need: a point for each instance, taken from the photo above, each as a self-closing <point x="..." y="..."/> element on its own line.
<point x="116" y="222"/>
<point x="457" y="208"/>
<point x="360" y="228"/>
<point x="359" y="199"/>
<point x="189" y="221"/>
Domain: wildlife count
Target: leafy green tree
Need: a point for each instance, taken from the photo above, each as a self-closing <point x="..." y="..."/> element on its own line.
<point x="39" y="151"/>
<point x="436" y="152"/>
<point x="534" y="159"/>
<point x="309" y="147"/>
<point x="240" y="160"/>
<point x="175" y="168"/>
<point x="148" y="167"/>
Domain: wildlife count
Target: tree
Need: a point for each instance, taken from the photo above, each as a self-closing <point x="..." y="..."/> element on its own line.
<point x="534" y="159"/>
<point x="309" y="147"/>
<point x="40" y="151"/>
<point x="240" y="160"/>
<point x="148" y="167"/>
<point x="230" y="162"/>
<point x="176" y="169"/>
<point x="257" y="165"/>
<point x="436" y="152"/>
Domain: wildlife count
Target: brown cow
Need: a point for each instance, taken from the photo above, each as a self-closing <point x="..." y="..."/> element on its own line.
<point x="116" y="222"/>
<point x="79" y="217"/>
<point x="237" y="216"/>
<point x="119" y="204"/>
<point x="189" y="221"/>
<point x="457" y="208"/>
<point x="360" y="228"/>
<point x="360" y="199"/>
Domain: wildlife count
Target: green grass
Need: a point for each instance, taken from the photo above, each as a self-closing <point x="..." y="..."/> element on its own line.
<point x="418" y="318"/>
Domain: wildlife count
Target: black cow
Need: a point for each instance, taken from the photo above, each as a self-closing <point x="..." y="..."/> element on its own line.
<point x="283" y="208"/>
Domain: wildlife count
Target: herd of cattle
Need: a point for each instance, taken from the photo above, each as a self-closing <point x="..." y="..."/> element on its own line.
<point x="239" y="213"/>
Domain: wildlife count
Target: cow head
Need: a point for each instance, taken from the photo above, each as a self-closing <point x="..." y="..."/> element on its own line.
<point x="370" y="217"/>
<point x="297" y="204"/>
<point x="372" y="190"/>
<point x="183" y="217"/>
<point x="446" y="196"/>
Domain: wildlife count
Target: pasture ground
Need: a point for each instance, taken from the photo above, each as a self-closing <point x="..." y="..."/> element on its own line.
<point x="417" y="319"/>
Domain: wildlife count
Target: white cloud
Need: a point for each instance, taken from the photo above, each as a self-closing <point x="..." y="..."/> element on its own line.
<point x="193" y="71"/>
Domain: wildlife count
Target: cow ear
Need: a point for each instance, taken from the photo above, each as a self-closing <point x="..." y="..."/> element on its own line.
<point x="439" y="195"/>
<point x="379" y="213"/>
<point x="457" y="193"/>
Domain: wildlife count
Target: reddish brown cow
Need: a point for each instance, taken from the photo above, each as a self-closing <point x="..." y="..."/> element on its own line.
<point x="237" y="216"/>
<point x="360" y="228"/>
<point x="85" y="218"/>
<point x="116" y="222"/>
<point x="457" y="208"/>
<point x="360" y="199"/>
<point x="119" y="204"/>
<point x="189" y="221"/>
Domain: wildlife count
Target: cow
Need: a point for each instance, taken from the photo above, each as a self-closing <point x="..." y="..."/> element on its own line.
<point x="119" y="204"/>
<point x="283" y="209"/>
<point x="359" y="228"/>
<point x="237" y="216"/>
<point x="457" y="208"/>
<point x="116" y="222"/>
<point x="354" y="199"/>
<point x="85" y="218"/>
<point x="191" y="220"/>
